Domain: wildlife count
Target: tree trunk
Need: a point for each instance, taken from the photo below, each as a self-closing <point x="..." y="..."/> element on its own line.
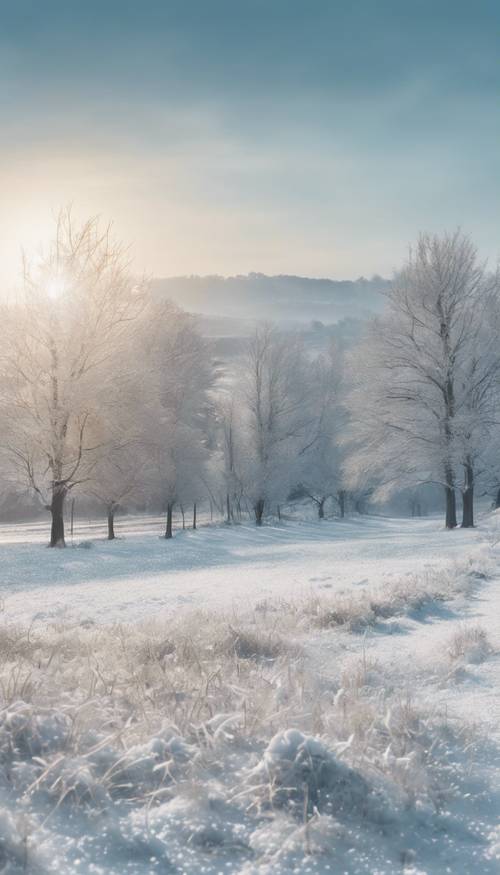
<point x="341" y="499"/>
<point x="168" y="530"/>
<point x="321" y="509"/>
<point x="415" y="507"/>
<point x="57" y="511"/>
<point x="449" y="414"/>
<point x="183" y="518"/>
<point x="468" y="497"/>
<point x="228" y="508"/>
<point x="278" y="509"/>
<point x="497" y="499"/>
<point x="259" y="511"/>
<point x="451" y="505"/>
<point x="111" y="522"/>
<point x="194" y="515"/>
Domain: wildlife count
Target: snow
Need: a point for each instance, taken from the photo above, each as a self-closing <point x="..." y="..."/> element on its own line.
<point x="216" y="567"/>
<point x="173" y="743"/>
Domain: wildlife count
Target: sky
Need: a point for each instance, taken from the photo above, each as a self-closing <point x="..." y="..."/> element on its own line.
<point x="316" y="137"/>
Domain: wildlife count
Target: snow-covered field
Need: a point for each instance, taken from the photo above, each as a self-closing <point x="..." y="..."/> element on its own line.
<point x="216" y="567"/>
<point x="302" y="698"/>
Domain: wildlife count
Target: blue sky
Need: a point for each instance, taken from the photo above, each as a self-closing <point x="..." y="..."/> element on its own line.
<point x="312" y="137"/>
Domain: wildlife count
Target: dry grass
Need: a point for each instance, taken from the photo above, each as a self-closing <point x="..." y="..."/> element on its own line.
<point x="406" y="596"/>
<point x="135" y="715"/>
<point x="102" y="695"/>
<point x="469" y="644"/>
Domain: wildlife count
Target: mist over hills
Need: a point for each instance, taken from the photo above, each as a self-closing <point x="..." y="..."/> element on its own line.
<point x="281" y="298"/>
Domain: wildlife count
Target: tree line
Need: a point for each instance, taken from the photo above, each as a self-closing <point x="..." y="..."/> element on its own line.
<point x="110" y="390"/>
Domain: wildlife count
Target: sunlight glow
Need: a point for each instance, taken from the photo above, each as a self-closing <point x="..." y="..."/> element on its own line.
<point x="55" y="287"/>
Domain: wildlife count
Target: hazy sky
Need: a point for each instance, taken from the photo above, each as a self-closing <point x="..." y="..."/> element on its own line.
<point x="314" y="137"/>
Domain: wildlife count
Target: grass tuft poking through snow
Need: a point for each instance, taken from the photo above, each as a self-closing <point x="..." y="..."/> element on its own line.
<point x="203" y="743"/>
<point x="406" y="596"/>
<point x="469" y="645"/>
<point x="207" y="743"/>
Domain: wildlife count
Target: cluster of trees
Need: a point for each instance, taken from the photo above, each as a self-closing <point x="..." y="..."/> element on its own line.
<point x="281" y="420"/>
<point x="426" y="403"/>
<point x="110" y="390"/>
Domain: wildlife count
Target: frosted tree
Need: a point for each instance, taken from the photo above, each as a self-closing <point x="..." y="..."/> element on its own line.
<point x="489" y="476"/>
<point x="275" y="415"/>
<point x="115" y="481"/>
<point x="416" y="406"/>
<point x="177" y="377"/>
<point x="229" y="433"/>
<point x="59" y="336"/>
<point x="477" y="424"/>
<point x="321" y="457"/>
<point x="117" y="475"/>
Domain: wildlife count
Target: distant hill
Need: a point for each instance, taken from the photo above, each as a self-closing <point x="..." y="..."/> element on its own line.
<point x="277" y="298"/>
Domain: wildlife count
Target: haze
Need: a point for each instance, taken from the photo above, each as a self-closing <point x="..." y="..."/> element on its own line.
<point x="301" y="138"/>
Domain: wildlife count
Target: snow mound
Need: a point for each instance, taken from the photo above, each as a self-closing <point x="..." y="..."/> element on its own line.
<point x="28" y="732"/>
<point x="299" y="772"/>
<point x="197" y="828"/>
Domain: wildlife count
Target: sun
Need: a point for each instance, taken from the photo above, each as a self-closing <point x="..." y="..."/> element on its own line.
<point x="55" y="287"/>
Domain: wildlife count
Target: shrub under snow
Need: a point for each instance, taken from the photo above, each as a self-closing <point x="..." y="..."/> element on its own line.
<point x="300" y="772"/>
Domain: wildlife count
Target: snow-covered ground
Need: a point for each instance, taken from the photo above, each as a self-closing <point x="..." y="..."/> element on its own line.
<point x="203" y="706"/>
<point x="216" y="567"/>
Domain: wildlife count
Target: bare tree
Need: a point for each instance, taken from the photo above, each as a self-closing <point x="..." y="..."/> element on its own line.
<point x="176" y="377"/>
<point x="59" y="337"/>
<point x="321" y="456"/>
<point x="478" y="400"/>
<point x="116" y="478"/>
<point x="418" y="374"/>
<point x="275" y="416"/>
<point x="229" y="440"/>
